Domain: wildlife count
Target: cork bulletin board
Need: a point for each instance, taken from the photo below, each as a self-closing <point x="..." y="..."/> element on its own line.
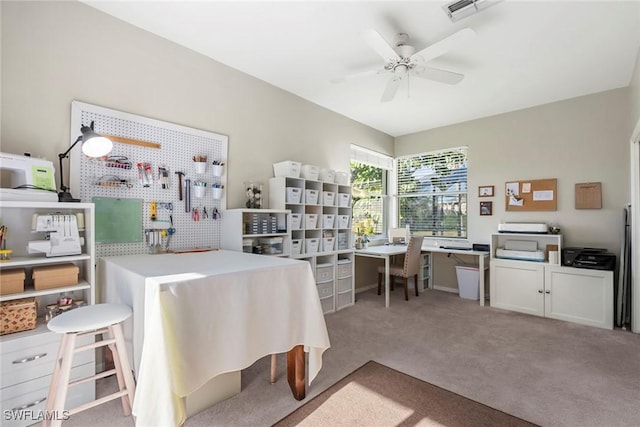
<point x="531" y="195"/>
<point x="589" y="195"/>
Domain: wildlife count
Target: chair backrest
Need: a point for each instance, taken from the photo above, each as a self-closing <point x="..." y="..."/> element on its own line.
<point x="412" y="257"/>
<point x="402" y="234"/>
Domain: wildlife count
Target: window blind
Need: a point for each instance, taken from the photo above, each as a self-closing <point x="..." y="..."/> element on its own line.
<point x="372" y="158"/>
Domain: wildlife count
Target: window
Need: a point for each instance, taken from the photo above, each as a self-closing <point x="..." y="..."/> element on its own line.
<point x="432" y="193"/>
<point x="369" y="171"/>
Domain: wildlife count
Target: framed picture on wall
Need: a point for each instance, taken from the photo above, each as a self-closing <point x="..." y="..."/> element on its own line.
<point x="486" y="208"/>
<point x="485" y="191"/>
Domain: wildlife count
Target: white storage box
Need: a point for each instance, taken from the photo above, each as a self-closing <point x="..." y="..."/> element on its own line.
<point x="311" y="245"/>
<point x="343" y="221"/>
<point x="310" y="221"/>
<point x="343" y="200"/>
<point x="328" y="198"/>
<point x="344" y="269"/>
<point x="324" y="272"/>
<point x="341" y="178"/>
<point x="344" y="284"/>
<point x="294" y="195"/>
<point x="296" y="221"/>
<point x="311" y="196"/>
<point x="327" y="175"/>
<point x="325" y="289"/>
<point x="287" y="168"/>
<point x="328" y="244"/>
<point x="328" y="220"/>
<point x="468" y="281"/>
<point x="271" y="245"/>
<point x="344" y="299"/>
<point x="310" y="172"/>
<point x="296" y="247"/>
<point x="327" y="304"/>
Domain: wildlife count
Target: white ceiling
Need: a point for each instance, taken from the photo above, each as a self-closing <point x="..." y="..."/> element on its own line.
<point x="525" y="53"/>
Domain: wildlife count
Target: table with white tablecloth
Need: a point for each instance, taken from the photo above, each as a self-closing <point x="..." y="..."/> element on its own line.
<point x="199" y="315"/>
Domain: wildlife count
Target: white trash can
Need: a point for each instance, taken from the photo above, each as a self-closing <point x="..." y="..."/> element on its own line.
<point x="468" y="281"/>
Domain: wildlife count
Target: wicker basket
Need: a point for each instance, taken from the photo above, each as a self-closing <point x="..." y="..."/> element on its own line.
<point x="18" y="315"/>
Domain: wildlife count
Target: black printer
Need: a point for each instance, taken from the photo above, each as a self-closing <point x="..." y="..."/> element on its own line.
<point x="593" y="258"/>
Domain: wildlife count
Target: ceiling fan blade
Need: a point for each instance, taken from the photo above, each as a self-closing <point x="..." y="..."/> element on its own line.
<point x="379" y="44"/>
<point x="357" y="75"/>
<point x="392" y="87"/>
<point x="445" y="45"/>
<point x="442" y="76"/>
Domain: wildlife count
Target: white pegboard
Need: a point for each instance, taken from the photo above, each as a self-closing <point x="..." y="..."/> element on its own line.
<point x="178" y="145"/>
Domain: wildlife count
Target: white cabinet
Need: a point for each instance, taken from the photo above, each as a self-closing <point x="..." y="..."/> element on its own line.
<point x="264" y="231"/>
<point x="320" y="233"/>
<point x="565" y="293"/>
<point x="424" y="274"/>
<point x="27" y="357"/>
<point x="543" y="243"/>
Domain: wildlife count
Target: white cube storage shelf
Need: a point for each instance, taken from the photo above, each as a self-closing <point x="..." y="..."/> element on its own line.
<point x="320" y="222"/>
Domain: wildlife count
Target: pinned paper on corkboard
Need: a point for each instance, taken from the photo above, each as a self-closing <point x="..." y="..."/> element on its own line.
<point x="589" y="195"/>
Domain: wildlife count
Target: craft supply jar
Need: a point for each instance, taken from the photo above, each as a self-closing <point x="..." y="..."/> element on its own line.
<point x="5" y="254"/>
<point x="52" y="311"/>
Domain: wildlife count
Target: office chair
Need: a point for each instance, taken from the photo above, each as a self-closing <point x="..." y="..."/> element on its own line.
<point x="410" y="267"/>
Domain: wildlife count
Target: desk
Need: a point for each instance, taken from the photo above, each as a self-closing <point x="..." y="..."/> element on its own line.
<point x="196" y="316"/>
<point x="387" y="251"/>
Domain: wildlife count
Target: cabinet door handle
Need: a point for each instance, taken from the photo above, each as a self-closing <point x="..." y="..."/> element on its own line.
<point x="29" y="405"/>
<point x="547" y="292"/>
<point x="29" y="359"/>
<point x="539" y="291"/>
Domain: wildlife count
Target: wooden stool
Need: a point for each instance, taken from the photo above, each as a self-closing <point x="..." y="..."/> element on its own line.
<point x="91" y="320"/>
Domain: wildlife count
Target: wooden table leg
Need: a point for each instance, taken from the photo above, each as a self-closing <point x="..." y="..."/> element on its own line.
<point x="296" y="371"/>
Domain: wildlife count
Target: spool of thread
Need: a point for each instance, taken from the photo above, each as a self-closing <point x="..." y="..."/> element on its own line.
<point x="80" y="220"/>
<point x="34" y="221"/>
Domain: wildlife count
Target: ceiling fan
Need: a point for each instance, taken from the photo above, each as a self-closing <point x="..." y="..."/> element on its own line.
<point x="402" y="60"/>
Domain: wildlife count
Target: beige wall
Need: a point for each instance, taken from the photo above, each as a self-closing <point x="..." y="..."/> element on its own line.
<point x="583" y="139"/>
<point x="634" y="87"/>
<point x="56" y="52"/>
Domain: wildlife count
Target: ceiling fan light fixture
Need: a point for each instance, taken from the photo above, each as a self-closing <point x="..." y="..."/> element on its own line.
<point x="462" y="8"/>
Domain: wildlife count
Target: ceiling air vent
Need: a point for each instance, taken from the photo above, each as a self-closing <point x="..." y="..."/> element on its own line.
<point x="463" y="8"/>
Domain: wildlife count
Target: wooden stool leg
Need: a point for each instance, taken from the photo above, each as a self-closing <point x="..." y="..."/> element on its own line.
<point x="123" y="362"/>
<point x="62" y="381"/>
<point x="51" y="397"/>
<point x="126" y="407"/>
<point x="273" y="368"/>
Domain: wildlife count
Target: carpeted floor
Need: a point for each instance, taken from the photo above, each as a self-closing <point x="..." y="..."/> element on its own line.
<point x="546" y="371"/>
<point x="378" y="395"/>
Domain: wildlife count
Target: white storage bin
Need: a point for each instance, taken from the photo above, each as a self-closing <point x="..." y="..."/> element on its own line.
<point x="296" y="221"/>
<point x="343" y="200"/>
<point x="310" y="172"/>
<point x="310" y="221"/>
<point x="327" y="175"/>
<point x="296" y="247"/>
<point x="468" y="281"/>
<point x="341" y="178"/>
<point x="344" y="284"/>
<point x="328" y="198"/>
<point x="328" y="220"/>
<point x="311" y="245"/>
<point x="344" y="269"/>
<point x="343" y="221"/>
<point x="294" y="195"/>
<point x="327" y="304"/>
<point x="271" y="245"/>
<point x="287" y="168"/>
<point x="324" y="272"/>
<point x="328" y="243"/>
<point x="311" y="196"/>
<point x="325" y="289"/>
<point x="344" y="299"/>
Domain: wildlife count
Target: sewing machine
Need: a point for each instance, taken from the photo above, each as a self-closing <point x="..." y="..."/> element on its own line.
<point x="31" y="179"/>
<point x="63" y="236"/>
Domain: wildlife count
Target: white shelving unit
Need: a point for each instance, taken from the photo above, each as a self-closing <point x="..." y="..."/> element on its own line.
<point x="550" y="290"/>
<point x="27" y="358"/>
<point x="320" y="233"/>
<point x="254" y="226"/>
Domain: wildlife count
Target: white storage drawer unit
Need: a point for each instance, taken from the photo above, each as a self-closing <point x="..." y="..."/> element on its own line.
<point x="325" y="289"/>
<point x="345" y="284"/>
<point x="344" y="269"/>
<point x="324" y="272"/>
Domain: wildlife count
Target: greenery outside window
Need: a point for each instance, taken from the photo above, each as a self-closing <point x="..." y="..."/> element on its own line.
<point x="432" y="193"/>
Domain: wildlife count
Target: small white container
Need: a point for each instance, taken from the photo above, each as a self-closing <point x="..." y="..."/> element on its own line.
<point x="296" y="221"/>
<point x="341" y="178"/>
<point x="327" y="175"/>
<point x="328" y="198"/>
<point x="311" y="245"/>
<point x="343" y="221"/>
<point x="247" y="245"/>
<point x="199" y="191"/>
<point x="296" y="247"/>
<point x="343" y="200"/>
<point x="328" y="220"/>
<point x="287" y="168"/>
<point x="271" y="245"/>
<point x="328" y="244"/>
<point x="311" y="196"/>
<point x="294" y="195"/>
<point x="217" y="170"/>
<point x="200" y="167"/>
<point x="310" y="172"/>
<point x="216" y="192"/>
<point x="310" y="221"/>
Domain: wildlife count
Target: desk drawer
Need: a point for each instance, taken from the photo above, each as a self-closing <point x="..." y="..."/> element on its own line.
<point x="325" y="289"/>
<point x="344" y="269"/>
<point x="324" y="272"/>
<point x="31" y="396"/>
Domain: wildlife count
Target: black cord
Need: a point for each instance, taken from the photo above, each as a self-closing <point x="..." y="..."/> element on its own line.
<point x="32" y="187"/>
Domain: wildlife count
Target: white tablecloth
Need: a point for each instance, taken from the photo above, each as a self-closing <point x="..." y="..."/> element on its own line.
<point x="204" y="314"/>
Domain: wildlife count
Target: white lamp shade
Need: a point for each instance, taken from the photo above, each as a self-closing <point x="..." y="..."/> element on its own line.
<point x="96" y="145"/>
